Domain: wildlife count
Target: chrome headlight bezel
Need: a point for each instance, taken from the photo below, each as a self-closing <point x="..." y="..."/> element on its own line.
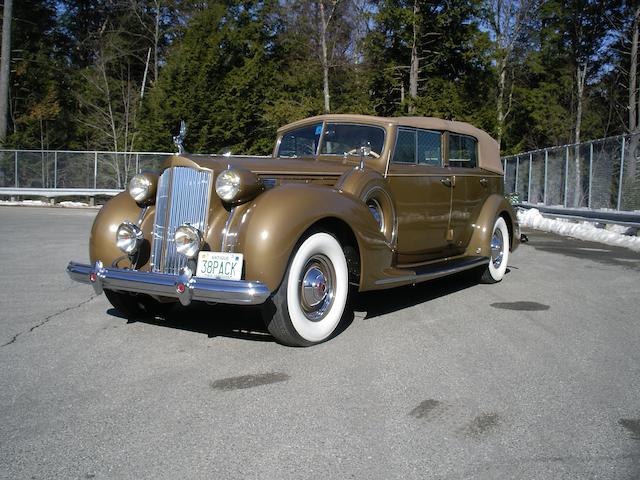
<point x="188" y="240"/>
<point x="129" y="237"/>
<point x="142" y="187"/>
<point x="228" y="185"/>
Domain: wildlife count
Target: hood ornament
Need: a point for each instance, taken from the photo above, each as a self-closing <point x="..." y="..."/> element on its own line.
<point x="178" y="140"/>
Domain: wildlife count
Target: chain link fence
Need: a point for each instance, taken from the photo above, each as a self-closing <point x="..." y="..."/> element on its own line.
<point x="74" y="169"/>
<point x="601" y="174"/>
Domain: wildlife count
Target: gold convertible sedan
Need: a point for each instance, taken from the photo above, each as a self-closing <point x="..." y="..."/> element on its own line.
<point x="344" y="200"/>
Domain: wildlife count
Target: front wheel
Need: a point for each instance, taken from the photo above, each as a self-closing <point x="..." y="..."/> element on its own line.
<point x="310" y="302"/>
<point x="494" y="272"/>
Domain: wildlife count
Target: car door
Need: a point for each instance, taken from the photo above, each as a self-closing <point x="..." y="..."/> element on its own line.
<point x="471" y="187"/>
<point x="420" y="186"/>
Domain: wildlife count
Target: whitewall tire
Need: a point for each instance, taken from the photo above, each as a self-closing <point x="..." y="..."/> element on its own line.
<point x="312" y="297"/>
<point x="499" y="247"/>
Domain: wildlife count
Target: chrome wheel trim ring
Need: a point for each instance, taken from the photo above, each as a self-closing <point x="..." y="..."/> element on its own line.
<point x="497" y="248"/>
<point x="317" y="287"/>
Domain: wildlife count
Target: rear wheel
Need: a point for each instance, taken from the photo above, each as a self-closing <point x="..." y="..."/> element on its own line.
<point x="136" y="306"/>
<point x="497" y="267"/>
<point x="312" y="297"/>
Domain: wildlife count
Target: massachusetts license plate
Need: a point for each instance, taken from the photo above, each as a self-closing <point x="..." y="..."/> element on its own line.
<point x="227" y="266"/>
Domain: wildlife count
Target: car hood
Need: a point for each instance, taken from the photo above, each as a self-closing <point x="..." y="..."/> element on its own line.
<point x="268" y="165"/>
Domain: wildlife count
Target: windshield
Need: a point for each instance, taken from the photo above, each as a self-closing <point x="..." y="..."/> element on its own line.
<point x="344" y="138"/>
<point x="338" y="139"/>
<point x="300" y="142"/>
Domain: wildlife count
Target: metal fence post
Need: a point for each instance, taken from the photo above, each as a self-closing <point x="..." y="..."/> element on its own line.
<point x="55" y="169"/>
<point x="621" y="172"/>
<point x="590" y="174"/>
<point x="517" y="168"/>
<point x="137" y="163"/>
<point x="15" y="167"/>
<point x="566" y="175"/>
<point x="529" y="186"/>
<point x="546" y="161"/>
<point x="95" y="170"/>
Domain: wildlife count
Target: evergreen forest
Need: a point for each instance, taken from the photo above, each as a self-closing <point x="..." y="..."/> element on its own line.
<point x="119" y="75"/>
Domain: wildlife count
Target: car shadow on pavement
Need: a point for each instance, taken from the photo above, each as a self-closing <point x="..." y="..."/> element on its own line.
<point x="246" y="323"/>
<point x="212" y="320"/>
<point x="381" y="302"/>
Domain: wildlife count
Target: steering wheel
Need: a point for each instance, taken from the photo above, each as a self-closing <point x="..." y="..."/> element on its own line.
<point x="356" y="151"/>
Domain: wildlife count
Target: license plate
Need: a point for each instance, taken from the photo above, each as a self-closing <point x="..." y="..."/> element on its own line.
<point x="227" y="266"/>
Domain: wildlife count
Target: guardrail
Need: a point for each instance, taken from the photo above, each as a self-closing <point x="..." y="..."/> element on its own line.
<point x="60" y="192"/>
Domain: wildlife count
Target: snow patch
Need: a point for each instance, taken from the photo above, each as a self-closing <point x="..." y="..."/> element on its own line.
<point x="532" y="218"/>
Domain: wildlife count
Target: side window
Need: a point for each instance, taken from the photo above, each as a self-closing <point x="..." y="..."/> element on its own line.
<point x="462" y="151"/>
<point x="429" y="148"/>
<point x="405" y="151"/>
<point x="301" y="142"/>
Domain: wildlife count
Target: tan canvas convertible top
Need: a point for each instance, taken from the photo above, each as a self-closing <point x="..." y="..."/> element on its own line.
<point x="488" y="150"/>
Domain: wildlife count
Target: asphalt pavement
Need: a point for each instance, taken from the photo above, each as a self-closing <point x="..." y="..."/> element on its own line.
<point x="537" y="377"/>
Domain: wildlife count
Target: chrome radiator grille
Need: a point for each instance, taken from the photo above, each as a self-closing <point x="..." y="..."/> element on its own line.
<point x="183" y="197"/>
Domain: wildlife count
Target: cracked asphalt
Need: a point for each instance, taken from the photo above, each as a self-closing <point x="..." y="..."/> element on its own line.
<point x="537" y="377"/>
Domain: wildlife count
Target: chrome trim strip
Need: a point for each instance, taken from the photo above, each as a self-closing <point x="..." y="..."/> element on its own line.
<point x="238" y="292"/>
<point x="143" y="212"/>
<point x="436" y="272"/>
<point x="225" y="232"/>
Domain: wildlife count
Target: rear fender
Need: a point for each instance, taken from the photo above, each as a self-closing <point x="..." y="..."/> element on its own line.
<point x="495" y="205"/>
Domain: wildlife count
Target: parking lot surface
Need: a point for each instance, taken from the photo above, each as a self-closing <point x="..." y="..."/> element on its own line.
<point x="535" y="377"/>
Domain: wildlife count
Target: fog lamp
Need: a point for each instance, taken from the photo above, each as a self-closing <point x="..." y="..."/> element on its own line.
<point x="129" y="237"/>
<point x="188" y="240"/>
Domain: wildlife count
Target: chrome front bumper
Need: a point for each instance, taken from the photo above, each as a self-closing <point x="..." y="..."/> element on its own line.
<point x="184" y="287"/>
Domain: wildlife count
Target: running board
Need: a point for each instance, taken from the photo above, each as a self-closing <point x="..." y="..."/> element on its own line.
<point x="433" y="271"/>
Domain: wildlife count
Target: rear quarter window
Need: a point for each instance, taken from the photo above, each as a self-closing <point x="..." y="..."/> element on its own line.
<point x="462" y="151"/>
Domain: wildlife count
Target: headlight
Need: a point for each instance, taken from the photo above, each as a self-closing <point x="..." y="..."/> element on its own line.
<point x="237" y="185"/>
<point x="129" y="237"/>
<point x="188" y="240"/>
<point x="142" y="187"/>
<point x="228" y="185"/>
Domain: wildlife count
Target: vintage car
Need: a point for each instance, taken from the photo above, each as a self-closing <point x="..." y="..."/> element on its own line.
<point x="345" y="200"/>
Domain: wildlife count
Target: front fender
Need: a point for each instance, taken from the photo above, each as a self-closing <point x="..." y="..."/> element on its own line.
<point x="494" y="206"/>
<point x="102" y="243"/>
<point x="277" y="219"/>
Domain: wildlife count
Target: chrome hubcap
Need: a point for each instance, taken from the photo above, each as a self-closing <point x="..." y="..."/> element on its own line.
<point x="497" y="248"/>
<point x="317" y="287"/>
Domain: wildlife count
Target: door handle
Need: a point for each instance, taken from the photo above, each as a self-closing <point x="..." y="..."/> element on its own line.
<point x="484" y="182"/>
<point x="446" y="182"/>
